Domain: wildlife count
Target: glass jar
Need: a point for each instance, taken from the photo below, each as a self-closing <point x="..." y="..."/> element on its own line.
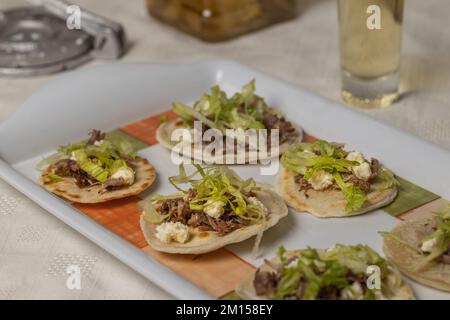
<point x="216" y="20"/>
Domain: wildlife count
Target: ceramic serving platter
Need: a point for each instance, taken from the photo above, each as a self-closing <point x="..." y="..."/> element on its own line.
<point x="128" y="100"/>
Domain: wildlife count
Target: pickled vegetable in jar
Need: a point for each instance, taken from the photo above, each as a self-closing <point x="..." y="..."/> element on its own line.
<point x="217" y="20"/>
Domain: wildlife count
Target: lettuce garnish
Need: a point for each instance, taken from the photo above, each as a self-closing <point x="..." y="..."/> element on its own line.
<point x="440" y="239"/>
<point x="99" y="160"/>
<point x="51" y="177"/>
<point x="214" y="184"/>
<point x="386" y="179"/>
<point x="354" y="195"/>
<point x="244" y="110"/>
<point x="309" y="158"/>
<point x="319" y="269"/>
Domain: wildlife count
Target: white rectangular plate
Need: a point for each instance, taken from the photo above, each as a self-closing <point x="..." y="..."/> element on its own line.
<point x="109" y="96"/>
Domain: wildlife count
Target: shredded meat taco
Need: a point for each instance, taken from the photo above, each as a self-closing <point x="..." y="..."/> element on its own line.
<point x="216" y="209"/>
<point x="420" y="248"/>
<point x="244" y="110"/>
<point x="96" y="170"/>
<point x="327" y="181"/>
<point x="339" y="273"/>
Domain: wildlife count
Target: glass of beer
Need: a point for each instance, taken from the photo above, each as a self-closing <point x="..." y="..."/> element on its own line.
<point x="370" y="43"/>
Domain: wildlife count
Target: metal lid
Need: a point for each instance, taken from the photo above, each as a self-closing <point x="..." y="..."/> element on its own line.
<point x="33" y="41"/>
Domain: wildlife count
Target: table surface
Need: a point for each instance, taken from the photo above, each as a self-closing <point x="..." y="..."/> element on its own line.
<point x="35" y="247"/>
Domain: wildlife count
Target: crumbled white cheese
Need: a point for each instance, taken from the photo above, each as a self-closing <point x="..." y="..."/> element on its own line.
<point x="214" y="209"/>
<point x="256" y="202"/>
<point x="172" y="231"/>
<point x="203" y="106"/>
<point x="321" y="180"/>
<point x="334" y="246"/>
<point x="98" y="143"/>
<point x="293" y="263"/>
<point x="125" y="173"/>
<point x="427" y="246"/>
<point x="355" y="156"/>
<point x="362" y="171"/>
<point x="355" y="291"/>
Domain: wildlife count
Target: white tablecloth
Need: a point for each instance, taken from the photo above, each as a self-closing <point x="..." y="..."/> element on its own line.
<point x="35" y="247"/>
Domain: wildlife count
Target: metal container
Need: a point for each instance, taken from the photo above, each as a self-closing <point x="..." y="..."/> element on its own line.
<point x="36" y="40"/>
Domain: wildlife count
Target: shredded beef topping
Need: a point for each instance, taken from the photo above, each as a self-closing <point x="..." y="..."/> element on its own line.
<point x="227" y="223"/>
<point x="375" y="168"/>
<point x="179" y="211"/>
<point x="70" y="168"/>
<point x="360" y="183"/>
<point x="96" y="135"/>
<point x="113" y="184"/>
<point x="329" y="293"/>
<point x="302" y="183"/>
<point x="265" y="283"/>
<point x="65" y="167"/>
<point x="445" y="258"/>
<point x="287" y="130"/>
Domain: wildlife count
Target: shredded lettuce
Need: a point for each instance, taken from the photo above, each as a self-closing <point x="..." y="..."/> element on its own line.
<point x="309" y="158"/>
<point x="79" y="155"/>
<point x="243" y="110"/>
<point x="357" y="258"/>
<point x="95" y="170"/>
<point x="354" y="196"/>
<point x="400" y="240"/>
<point x="217" y="184"/>
<point x="247" y="96"/>
<point x="125" y="148"/>
<point x="50" y="160"/>
<point x="151" y="215"/>
<point x="238" y="120"/>
<point x="67" y="149"/>
<point x="189" y="115"/>
<point x="99" y="160"/>
<point x="318" y="269"/>
<point x="158" y="197"/>
<point x="116" y="165"/>
<point x="440" y="237"/>
<point x="386" y="179"/>
<point x="51" y="177"/>
<point x="443" y="217"/>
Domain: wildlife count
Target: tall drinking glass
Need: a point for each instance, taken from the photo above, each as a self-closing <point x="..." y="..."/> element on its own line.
<point x="370" y="43"/>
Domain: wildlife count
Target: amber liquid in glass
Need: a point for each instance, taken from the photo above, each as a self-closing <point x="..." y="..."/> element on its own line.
<point x="370" y="57"/>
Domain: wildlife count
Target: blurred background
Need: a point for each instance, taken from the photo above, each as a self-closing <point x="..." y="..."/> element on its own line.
<point x="301" y="49"/>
